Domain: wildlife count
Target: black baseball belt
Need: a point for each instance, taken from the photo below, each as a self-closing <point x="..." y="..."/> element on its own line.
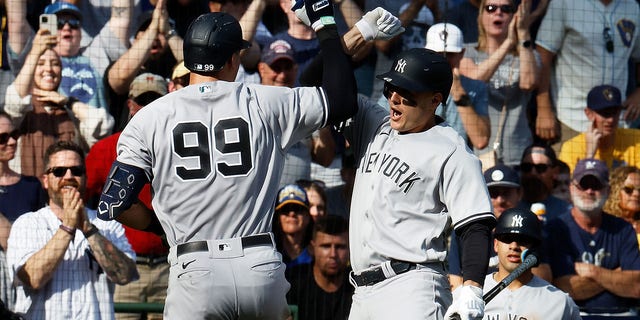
<point x="247" y="242"/>
<point x="375" y="275"/>
<point x="150" y="260"/>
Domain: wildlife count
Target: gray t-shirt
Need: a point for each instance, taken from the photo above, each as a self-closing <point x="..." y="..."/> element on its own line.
<point x="504" y="90"/>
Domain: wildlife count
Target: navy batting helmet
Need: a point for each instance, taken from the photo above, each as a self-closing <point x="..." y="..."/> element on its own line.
<point x="420" y="70"/>
<point x="211" y="40"/>
<point x="519" y="222"/>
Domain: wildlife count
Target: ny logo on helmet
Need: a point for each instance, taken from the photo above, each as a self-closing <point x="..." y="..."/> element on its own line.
<point x="516" y="221"/>
<point x="400" y="65"/>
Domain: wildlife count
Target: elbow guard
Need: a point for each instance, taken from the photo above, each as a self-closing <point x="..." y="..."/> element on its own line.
<point x="121" y="190"/>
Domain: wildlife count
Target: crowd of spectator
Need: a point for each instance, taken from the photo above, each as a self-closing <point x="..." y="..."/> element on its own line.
<point x="545" y="93"/>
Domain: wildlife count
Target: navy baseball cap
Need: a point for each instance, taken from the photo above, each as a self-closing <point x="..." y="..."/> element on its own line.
<point x="591" y="167"/>
<point x="278" y="49"/>
<point x="292" y="194"/>
<point x="502" y="176"/>
<point x="604" y="97"/>
<point x="420" y="70"/>
<point x="60" y="7"/>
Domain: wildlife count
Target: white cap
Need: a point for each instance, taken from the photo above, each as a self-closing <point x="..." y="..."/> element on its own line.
<point x="538" y="208"/>
<point x="444" y="37"/>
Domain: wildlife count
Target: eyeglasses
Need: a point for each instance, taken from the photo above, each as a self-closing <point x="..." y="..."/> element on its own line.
<point x="4" y="137"/>
<point x="629" y="189"/>
<point x="520" y="239"/>
<point x="540" y="167"/>
<point x="505" y="8"/>
<point x="589" y="183"/>
<point x="609" y="112"/>
<point x="73" y="23"/>
<point x="61" y="171"/>
<point x="608" y="39"/>
<point x="495" y="192"/>
<point x="407" y="97"/>
<point x="292" y="207"/>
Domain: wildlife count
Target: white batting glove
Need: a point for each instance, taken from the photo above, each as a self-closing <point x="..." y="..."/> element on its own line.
<point x="467" y="304"/>
<point x="379" y="24"/>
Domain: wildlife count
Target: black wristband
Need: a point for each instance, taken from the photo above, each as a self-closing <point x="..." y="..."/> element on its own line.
<point x="93" y="230"/>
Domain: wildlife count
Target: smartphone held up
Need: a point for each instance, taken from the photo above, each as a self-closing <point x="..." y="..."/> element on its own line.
<point x="50" y="22"/>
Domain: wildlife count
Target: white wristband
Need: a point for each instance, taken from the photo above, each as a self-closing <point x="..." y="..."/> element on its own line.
<point x="365" y="29"/>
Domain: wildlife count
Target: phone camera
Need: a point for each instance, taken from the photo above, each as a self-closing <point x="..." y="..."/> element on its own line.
<point x="45" y="19"/>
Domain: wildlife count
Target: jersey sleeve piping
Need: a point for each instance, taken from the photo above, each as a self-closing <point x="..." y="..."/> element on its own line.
<point x="472" y="218"/>
<point x="325" y="106"/>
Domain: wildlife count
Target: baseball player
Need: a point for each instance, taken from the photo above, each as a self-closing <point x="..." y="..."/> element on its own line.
<point x="214" y="152"/>
<point x="415" y="178"/>
<point x="528" y="296"/>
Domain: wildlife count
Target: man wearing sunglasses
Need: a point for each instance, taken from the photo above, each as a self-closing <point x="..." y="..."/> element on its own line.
<point x="604" y="139"/>
<point x="63" y="260"/>
<point x="528" y="296"/>
<point x="416" y="179"/>
<point x="594" y="255"/>
<point x="538" y="173"/>
<point x="83" y="67"/>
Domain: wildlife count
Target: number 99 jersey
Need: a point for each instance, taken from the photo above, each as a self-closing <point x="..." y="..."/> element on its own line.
<point x="214" y="153"/>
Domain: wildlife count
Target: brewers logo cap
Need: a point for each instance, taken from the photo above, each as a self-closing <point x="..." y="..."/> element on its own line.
<point x="420" y="70"/>
<point x="591" y="167"/>
<point x="292" y="194"/>
<point x="604" y="97"/>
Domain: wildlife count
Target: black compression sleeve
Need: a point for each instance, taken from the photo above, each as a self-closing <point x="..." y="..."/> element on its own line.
<point x="311" y="76"/>
<point x="338" y="80"/>
<point x="475" y="242"/>
<point x="155" y="226"/>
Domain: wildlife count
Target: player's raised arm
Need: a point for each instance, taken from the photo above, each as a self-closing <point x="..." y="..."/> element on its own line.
<point x="338" y="81"/>
<point x="377" y="24"/>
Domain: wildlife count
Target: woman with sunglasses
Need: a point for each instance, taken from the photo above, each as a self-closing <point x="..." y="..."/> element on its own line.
<point x="292" y="225"/>
<point x="624" y="199"/>
<point x="18" y="194"/>
<point x="505" y="59"/>
<point x="43" y="114"/>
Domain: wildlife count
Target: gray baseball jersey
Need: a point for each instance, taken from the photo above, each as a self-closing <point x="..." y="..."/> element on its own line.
<point x="214" y="153"/>
<point x="409" y="189"/>
<point x="537" y="300"/>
